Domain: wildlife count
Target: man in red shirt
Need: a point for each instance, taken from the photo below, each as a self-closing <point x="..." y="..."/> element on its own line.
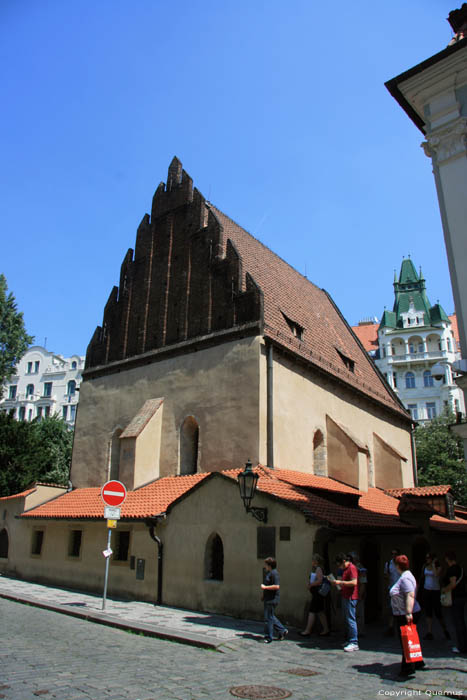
<point x="348" y="585"/>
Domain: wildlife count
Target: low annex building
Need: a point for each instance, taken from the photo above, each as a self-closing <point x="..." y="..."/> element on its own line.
<point x="212" y="351"/>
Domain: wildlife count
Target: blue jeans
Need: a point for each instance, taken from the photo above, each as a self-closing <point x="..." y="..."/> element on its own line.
<point x="271" y="622"/>
<point x="349" y="610"/>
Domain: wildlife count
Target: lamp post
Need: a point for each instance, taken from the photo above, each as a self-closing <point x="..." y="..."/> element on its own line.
<point x="247" y="480"/>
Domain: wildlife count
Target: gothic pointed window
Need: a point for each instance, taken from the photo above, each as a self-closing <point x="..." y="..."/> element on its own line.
<point x="189" y="442"/>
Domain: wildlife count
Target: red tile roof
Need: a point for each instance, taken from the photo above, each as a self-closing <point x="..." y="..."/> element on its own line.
<point x="367" y="335"/>
<point x="440" y="490"/>
<point x="23" y="494"/>
<point x="376" y="509"/>
<point x="456" y="526"/>
<point x="327" y="337"/>
<point x="147" y="501"/>
<point x="303" y="479"/>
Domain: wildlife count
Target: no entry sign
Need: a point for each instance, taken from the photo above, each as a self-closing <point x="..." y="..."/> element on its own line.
<point x="113" y="493"/>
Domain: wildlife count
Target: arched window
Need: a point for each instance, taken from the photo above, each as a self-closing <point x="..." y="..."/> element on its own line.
<point x="71" y="387"/>
<point x="214" y="559"/>
<point x="427" y="378"/>
<point x="73" y="364"/>
<point x="3" y="544"/>
<point x="319" y="453"/>
<point x="410" y="380"/>
<point x="189" y="440"/>
<point x="115" y="455"/>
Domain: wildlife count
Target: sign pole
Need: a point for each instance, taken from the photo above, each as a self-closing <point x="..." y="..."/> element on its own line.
<point x="107" y="561"/>
<point x="113" y="493"/>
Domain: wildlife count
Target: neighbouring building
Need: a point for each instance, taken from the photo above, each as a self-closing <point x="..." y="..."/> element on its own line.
<point x="213" y="350"/>
<point x="434" y="96"/>
<point x="44" y="384"/>
<point x="410" y="340"/>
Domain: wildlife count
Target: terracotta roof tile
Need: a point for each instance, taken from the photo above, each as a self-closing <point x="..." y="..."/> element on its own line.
<point x="23" y="494"/>
<point x="367" y="335"/>
<point x="318" y="508"/>
<point x="378" y="501"/>
<point x="147" y="501"/>
<point x="303" y="479"/>
<point x="440" y="490"/>
<point x="326" y="334"/>
<point x="458" y="525"/>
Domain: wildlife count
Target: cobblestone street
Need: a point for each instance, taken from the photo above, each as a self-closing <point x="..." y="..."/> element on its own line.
<point x="51" y="655"/>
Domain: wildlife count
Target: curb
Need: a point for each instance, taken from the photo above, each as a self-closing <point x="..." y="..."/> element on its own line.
<point x="196" y="640"/>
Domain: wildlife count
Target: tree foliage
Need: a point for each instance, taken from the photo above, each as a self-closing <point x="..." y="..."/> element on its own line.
<point x="14" y="340"/>
<point x="33" y="451"/>
<point x="440" y="456"/>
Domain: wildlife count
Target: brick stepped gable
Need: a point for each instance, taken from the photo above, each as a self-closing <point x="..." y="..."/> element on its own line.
<point x="195" y="273"/>
<point x="183" y="280"/>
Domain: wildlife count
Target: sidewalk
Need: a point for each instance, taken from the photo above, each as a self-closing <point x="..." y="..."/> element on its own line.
<point x="206" y="630"/>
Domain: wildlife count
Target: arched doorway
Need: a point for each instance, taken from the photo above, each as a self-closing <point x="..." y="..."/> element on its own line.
<point x="214" y="558"/>
<point x="4" y="544"/>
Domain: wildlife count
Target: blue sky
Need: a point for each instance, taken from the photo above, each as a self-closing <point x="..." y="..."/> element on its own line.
<point x="277" y="110"/>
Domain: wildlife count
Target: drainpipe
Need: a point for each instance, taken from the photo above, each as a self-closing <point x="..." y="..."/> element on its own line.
<point x="160" y="558"/>
<point x="270" y="408"/>
<point x="414" y="455"/>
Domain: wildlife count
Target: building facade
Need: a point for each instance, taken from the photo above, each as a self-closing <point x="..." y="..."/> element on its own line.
<point x="410" y="340"/>
<point x="434" y="96"/>
<point x="45" y="384"/>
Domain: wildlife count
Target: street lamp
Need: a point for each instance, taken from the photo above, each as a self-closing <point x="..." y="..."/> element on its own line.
<point x="247" y="480"/>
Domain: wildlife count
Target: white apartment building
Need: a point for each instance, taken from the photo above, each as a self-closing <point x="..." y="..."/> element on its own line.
<point x="44" y="384"/>
<point x="410" y="341"/>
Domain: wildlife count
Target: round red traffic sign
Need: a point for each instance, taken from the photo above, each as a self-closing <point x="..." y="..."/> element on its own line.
<point x="113" y="493"/>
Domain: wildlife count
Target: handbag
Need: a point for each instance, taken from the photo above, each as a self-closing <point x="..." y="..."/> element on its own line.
<point x="324" y="588"/>
<point x="446" y="599"/>
<point x="411" y="644"/>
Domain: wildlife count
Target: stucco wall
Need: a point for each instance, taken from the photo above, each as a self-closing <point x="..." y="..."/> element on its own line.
<point x="219" y="386"/>
<point x="216" y="507"/>
<point x="303" y="399"/>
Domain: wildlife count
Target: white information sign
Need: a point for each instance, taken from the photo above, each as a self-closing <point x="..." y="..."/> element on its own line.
<point x="112" y="513"/>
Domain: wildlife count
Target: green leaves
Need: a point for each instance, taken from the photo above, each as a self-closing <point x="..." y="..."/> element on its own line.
<point x="14" y="341"/>
<point x="36" y="451"/>
<point x="440" y="456"/>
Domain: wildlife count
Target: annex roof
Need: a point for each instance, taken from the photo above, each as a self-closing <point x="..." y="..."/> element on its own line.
<point x="439" y="490"/>
<point x="324" y="339"/>
<point x="305" y="492"/>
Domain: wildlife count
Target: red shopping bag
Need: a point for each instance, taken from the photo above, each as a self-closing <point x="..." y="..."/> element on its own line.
<point x="411" y="644"/>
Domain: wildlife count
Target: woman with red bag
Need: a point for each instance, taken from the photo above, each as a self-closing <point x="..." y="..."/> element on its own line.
<point x="405" y="608"/>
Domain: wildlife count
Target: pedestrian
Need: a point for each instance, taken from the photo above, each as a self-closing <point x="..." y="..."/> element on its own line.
<point x="454" y="583"/>
<point x="391" y="575"/>
<point x="348" y="585"/>
<point x="317" y="602"/>
<point x="271" y="595"/>
<point x="362" y="583"/>
<point x="431" y="594"/>
<point x="405" y="608"/>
